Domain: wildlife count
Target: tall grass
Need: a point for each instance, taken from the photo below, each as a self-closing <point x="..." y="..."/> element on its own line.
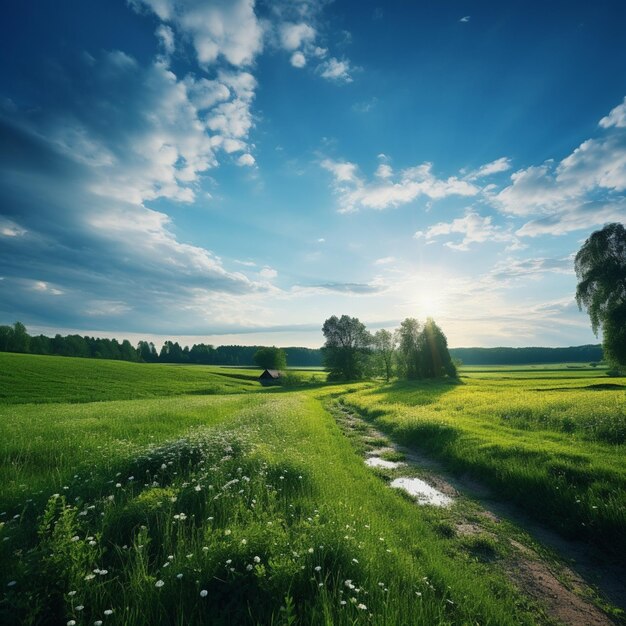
<point x="556" y="449"/>
<point x="263" y="514"/>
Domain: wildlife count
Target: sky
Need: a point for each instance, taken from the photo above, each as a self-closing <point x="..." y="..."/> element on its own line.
<point x="232" y="171"/>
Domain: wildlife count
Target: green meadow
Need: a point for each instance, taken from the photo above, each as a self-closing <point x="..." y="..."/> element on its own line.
<point x="156" y="494"/>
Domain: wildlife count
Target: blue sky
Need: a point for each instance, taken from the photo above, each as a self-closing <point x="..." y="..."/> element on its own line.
<point x="236" y="172"/>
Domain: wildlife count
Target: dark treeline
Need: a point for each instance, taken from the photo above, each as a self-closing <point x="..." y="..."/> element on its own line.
<point x="527" y="356"/>
<point x="16" y="339"/>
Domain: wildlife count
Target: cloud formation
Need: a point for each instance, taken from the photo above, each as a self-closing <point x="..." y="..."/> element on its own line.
<point x="473" y="227"/>
<point x="580" y="191"/>
<point x="389" y="189"/>
<point x="227" y="29"/>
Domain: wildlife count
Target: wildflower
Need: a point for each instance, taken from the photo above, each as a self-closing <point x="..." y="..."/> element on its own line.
<point x="71" y="593"/>
<point x="179" y="576"/>
<point x="204" y="593"/>
<point x="227" y="531"/>
<point x="159" y="583"/>
<point x="257" y="559"/>
<point x="197" y="488"/>
<point x="318" y="568"/>
<point x="90" y="576"/>
<point x="205" y="549"/>
<point x="310" y="550"/>
<point x="75" y="538"/>
<point x="170" y="557"/>
<point x="249" y="567"/>
<point x="244" y="541"/>
<point x="342" y="602"/>
<point x="93" y="543"/>
<point x="80" y="607"/>
<point x="72" y="622"/>
<point x="362" y="607"/>
<point x="12" y="583"/>
<point x="98" y="622"/>
<point x="355" y="561"/>
<point x="118" y="485"/>
<point x="108" y="612"/>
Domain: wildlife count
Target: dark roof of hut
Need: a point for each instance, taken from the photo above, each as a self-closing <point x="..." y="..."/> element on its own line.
<point x="274" y="374"/>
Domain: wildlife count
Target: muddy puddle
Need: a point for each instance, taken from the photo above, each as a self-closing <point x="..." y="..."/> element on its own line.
<point x="376" y="461"/>
<point x="422" y="491"/>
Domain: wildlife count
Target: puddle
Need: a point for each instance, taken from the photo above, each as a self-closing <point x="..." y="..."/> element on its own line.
<point x="375" y="461"/>
<point x="424" y="493"/>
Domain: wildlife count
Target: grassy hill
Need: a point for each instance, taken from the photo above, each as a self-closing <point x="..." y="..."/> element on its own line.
<point x="26" y="378"/>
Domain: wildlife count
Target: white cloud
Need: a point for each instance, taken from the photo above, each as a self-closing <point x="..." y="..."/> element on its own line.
<point x="336" y="70"/>
<point x="246" y="160"/>
<point x="575" y="217"/>
<point x="474" y="228"/>
<point x="580" y="191"/>
<point x="165" y="36"/>
<point x="8" y="228"/>
<point x="343" y="171"/>
<point x="44" y="287"/>
<point x="617" y="117"/>
<point x="356" y="193"/>
<point x="385" y="260"/>
<point x="220" y="28"/>
<point x="293" y="36"/>
<point x="531" y="268"/>
<point x="298" y="60"/>
<point x="465" y="19"/>
<point x="268" y="272"/>
<point x="383" y="171"/>
<point x="495" y="167"/>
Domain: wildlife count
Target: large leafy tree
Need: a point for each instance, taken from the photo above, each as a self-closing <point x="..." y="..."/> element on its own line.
<point x="384" y="350"/>
<point x="409" y="349"/>
<point x="347" y="348"/>
<point x="270" y="358"/>
<point x="436" y="359"/>
<point x="601" y="271"/>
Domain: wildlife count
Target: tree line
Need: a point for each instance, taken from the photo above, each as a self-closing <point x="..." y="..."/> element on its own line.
<point x="414" y="351"/>
<point x="15" y="338"/>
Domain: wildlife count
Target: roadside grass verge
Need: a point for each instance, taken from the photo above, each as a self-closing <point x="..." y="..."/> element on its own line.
<point x="558" y="454"/>
<point x="263" y="514"/>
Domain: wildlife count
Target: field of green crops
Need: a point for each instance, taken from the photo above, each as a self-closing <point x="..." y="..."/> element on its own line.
<point x="191" y="495"/>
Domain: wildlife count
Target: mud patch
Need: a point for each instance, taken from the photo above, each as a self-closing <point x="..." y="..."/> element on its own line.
<point x="422" y="491"/>
<point x="534" y="578"/>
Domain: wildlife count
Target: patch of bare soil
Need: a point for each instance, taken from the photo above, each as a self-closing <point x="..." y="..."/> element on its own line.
<point x="563" y="587"/>
<point x="532" y="576"/>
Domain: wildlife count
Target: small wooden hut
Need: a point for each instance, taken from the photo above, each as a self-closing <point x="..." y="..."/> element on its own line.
<point x="270" y="377"/>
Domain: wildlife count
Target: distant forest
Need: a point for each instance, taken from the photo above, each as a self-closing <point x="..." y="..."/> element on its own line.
<point x="16" y="339"/>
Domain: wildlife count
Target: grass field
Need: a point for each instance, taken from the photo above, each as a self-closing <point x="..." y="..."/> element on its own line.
<point x="190" y="495"/>
<point x="549" y="440"/>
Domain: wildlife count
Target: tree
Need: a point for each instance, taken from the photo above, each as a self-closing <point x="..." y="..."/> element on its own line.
<point x="601" y="271"/>
<point x="409" y="349"/>
<point x="347" y="348"/>
<point x="384" y="350"/>
<point x="436" y="360"/>
<point x="423" y="351"/>
<point x="270" y="358"/>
